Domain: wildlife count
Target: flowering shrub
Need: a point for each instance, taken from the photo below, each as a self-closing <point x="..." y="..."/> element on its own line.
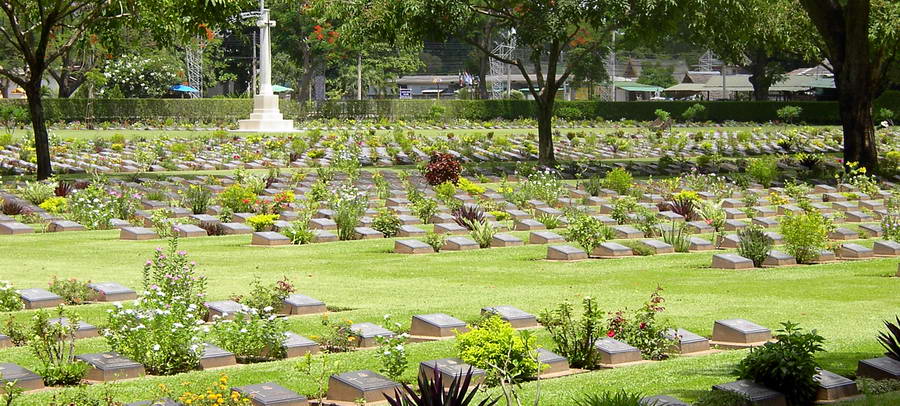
<point x="805" y="235"/>
<point x="94" y="207"/>
<point x="262" y="222"/>
<point x="55" y="205"/>
<point x="237" y="198"/>
<point x="73" y="291"/>
<point x="391" y="350"/>
<point x="263" y="296"/>
<point x="9" y="299"/>
<point x="339" y="337"/>
<point x="348" y="205"/>
<point x="386" y="222"/>
<point x="642" y="329"/>
<point x="442" y="167"/>
<point x="252" y="335"/>
<point x="162" y="329"/>
<point x="493" y="345"/>
<point x="587" y="231"/>
<point x="53" y="344"/>
<point x="279" y="202"/>
<point x="217" y="394"/>
<point x="139" y="76"/>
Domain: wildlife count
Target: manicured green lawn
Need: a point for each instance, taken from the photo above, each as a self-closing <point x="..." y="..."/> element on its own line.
<point x="845" y="302"/>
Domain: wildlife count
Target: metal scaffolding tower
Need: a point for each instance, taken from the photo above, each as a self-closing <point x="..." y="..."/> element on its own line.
<point x="708" y="61"/>
<point x="504" y="49"/>
<point x="193" y="56"/>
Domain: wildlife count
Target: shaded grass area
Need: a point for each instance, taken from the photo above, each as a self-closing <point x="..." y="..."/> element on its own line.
<point x="844" y="301"/>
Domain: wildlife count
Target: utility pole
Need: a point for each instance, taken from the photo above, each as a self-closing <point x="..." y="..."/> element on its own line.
<point x="724" y="92"/>
<point x="359" y="76"/>
<point x="613" y="63"/>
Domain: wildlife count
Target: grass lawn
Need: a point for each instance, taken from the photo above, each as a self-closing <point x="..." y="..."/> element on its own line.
<point x="845" y="302"/>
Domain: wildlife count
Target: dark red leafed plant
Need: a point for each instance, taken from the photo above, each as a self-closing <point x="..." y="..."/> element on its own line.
<point x="13" y="207"/>
<point x="432" y="392"/>
<point x="442" y="167"/>
<point x="890" y="340"/>
<point x="468" y="214"/>
<point x="64" y="189"/>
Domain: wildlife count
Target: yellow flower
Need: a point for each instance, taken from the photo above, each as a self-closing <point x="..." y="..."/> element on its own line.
<point x="862" y="169"/>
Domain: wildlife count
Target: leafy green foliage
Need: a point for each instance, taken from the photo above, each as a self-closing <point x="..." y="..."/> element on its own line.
<point x="587" y="231"/>
<point x="482" y="232"/>
<point x="251" y="335"/>
<point x="493" y="345"/>
<point x="755" y="244"/>
<point x="642" y="329"/>
<point x="386" y="222"/>
<point x="890" y="340"/>
<point x="53" y="344"/>
<point x="805" y="235"/>
<point x="442" y="168"/>
<point x="574" y="336"/>
<point x="620" y="398"/>
<point x="763" y="170"/>
<point x="619" y="180"/>
<point x="435" y="240"/>
<point x="788" y="365"/>
<point x="72" y="290"/>
<point x="432" y="392"/>
<point x="789" y="114"/>
<point x="9" y="299"/>
<point x="237" y="198"/>
<point x="262" y="222"/>
<point x="268" y="298"/>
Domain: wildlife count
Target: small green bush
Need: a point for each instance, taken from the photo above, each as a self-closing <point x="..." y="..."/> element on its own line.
<point x="695" y="112"/>
<point x="493" y="345"/>
<point x="73" y="291"/>
<point x="787" y="365"/>
<point x="620" y="398"/>
<point x="237" y="198"/>
<point x="435" y="240"/>
<point x="587" y="231"/>
<point x="805" y="235"/>
<point x="9" y="299"/>
<point x="386" y="222"/>
<point x="789" y="114"/>
<point x="618" y="180"/>
<point x="763" y="170"/>
<point x="262" y="222"/>
<point x="574" y="336"/>
<point x="755" y="244"/>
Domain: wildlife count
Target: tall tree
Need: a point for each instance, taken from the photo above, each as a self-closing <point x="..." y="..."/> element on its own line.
<point x="548" y="30"/>
<point x="762" y="36"/>
<point x="861" y="39"/>
<point x="40" y="32"/>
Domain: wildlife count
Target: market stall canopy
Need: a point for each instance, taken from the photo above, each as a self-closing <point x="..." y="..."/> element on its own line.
<point x="183" y="88"/>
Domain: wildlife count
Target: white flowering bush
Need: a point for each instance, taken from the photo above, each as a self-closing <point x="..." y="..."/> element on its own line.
<point x="139" y="76"/>
<point x="252" y="335"/>
<point x="392" y="350"/>
<point x="349" y="205"/>
<point x="163" y="329"/>
<point x="94" y="207"/>
<point x="9" y="299"/>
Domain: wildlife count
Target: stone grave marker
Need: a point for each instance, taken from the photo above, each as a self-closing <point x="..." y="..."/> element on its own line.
<point x="767" y="222"/>
<point x="23" y="378"/>
<point x="137" y="234"/>
<point x="366" y="233"/>
<point x="779" y="258"/>
<point x="158" y="402"/>
<point x="657" y="246"/>
<point x="855" y="251"/>
<point x="661" y="400"/>
<point x="855" y="216"/>
<point x="519" y="319"/>
<point x="825" y="256"/>
<point x="216" y="357"/>
<point x="450" y="228"/>
<point x="450" y="369"/>
<point x="223" y="308"/>
<point x="754" y="392"/>
<point x="686" y="342"/>
<point x="440" y="218"/>
<point x="698" y="227"/>
<point x="556" y="365"/>
<point x="189" y="231"/>
<point x="614" y="352"/>
<point x="37" y="298"/>
<point x="739" y="333"/>
<point x="324" y="236"/>
<point x="269" y="239"/>
<point x="118" y="224"/>
<point x="5" y="341"/>
<point x="834" y="387"/>
<point x="82" y="330"/>
<point x="734" y="225"/>
<point x="843" y="233"/>
<point x="236" y="229"/>
<point x="410" y="231"/>
<point x="627" y="232"/>
<point x="734" y="214"/>
<point x="700" y="244"/>
<point x="729" y="240"/>
<point x="6" y="219"/>
<point x="58" y="226"/>
<point x="611" y="250"/>
<point x="459" y="244"/>
<point x="886" y="248"/>
<point x="296" y="345"/>
<point x="545" y="237"/>
<point x="110" y="366"/>
<point x="528" y="225"/>
<point x="412" y="247"/>
<point x="506" y="240"/>
<point x="112" y="292"/>
<point x="365" y="384"/>
<point x="436" y="325"/>
<point x="367" y="332"/>
<point x="871" y="230"/>
<point x="878" y="368"/>
<point x="565" y="253"/>
<point x="297" y="304"/>
<point x="731" y="261"/>
<point x="322" y="224"/>
<point x="271" y="394"/>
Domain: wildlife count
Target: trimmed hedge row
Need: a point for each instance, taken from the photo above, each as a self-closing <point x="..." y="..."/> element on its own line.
<point x="213" y="110"/>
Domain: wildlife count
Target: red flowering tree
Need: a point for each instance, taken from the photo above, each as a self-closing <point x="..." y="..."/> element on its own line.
<point x="442" y="167"/>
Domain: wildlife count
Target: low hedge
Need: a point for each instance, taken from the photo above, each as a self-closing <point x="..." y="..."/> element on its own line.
<point x="213" y="110"/>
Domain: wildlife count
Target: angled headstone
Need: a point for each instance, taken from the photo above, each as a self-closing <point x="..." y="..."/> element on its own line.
<point x="528" y="225"/>
<point x="366" y="332"/>
<point x="855" y="251"/>
<point x="296" y="345"/>
<point x="627" y="232"/>
<point x="410" y="231"/>
<point x="223" y="308"/>
<point x="112" y="292"/>
<point x="58" y="226"/>
<point x="661" y="400"/>
<point x="110" y="366"/>
<point x="189" y="231"/>
<point x="554" y="364"/>
<point x="22" y="377"/>
<point x="450" y="369"/>
<point x="412" y="247"/>
<point x="450" y="228"/>
<point x="37" y="298"/>
<point x="740" y="333"/>
<point x="545" y="237"/>
<point x="297" y="304"/>
<point x="82" y="330"/>
<point x="438" y="325"/>
<point x="615" y="352"/>
<point x="365" y="384"/>
<point x="834" y="387"/>
<point x="519" y="319"/>
<point x="271" y="394"/>
<point x="565" y="253"/>
<point x="754" y="392"/>
<point x="878" y="368"/>
<point x="611" y="250"/>
<point x="657" y="246"/>
<point x="269" y="239"/>
<point x="700" y="244"/>
<point x="137" y="233"/>
<point x="778" y="258"/>
<point x="459" y="244"/>
<point x="886" y="248"/>
<point x="731" y="261"/>
<point x="506" y="240"/>
<point x="687" y="342"/>
<point x="216" y="357"/>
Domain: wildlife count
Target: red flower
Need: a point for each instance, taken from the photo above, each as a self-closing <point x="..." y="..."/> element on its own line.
<point x="610" y="333"/>
<point x="643" y="326"/>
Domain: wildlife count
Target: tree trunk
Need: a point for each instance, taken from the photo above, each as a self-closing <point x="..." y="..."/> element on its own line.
<point x="759" y="76"/>
<point x="484" y="62"/>
<point x="546" y="156"/>
<point x="855" y="105"/>
<point x="39" y="126"/>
